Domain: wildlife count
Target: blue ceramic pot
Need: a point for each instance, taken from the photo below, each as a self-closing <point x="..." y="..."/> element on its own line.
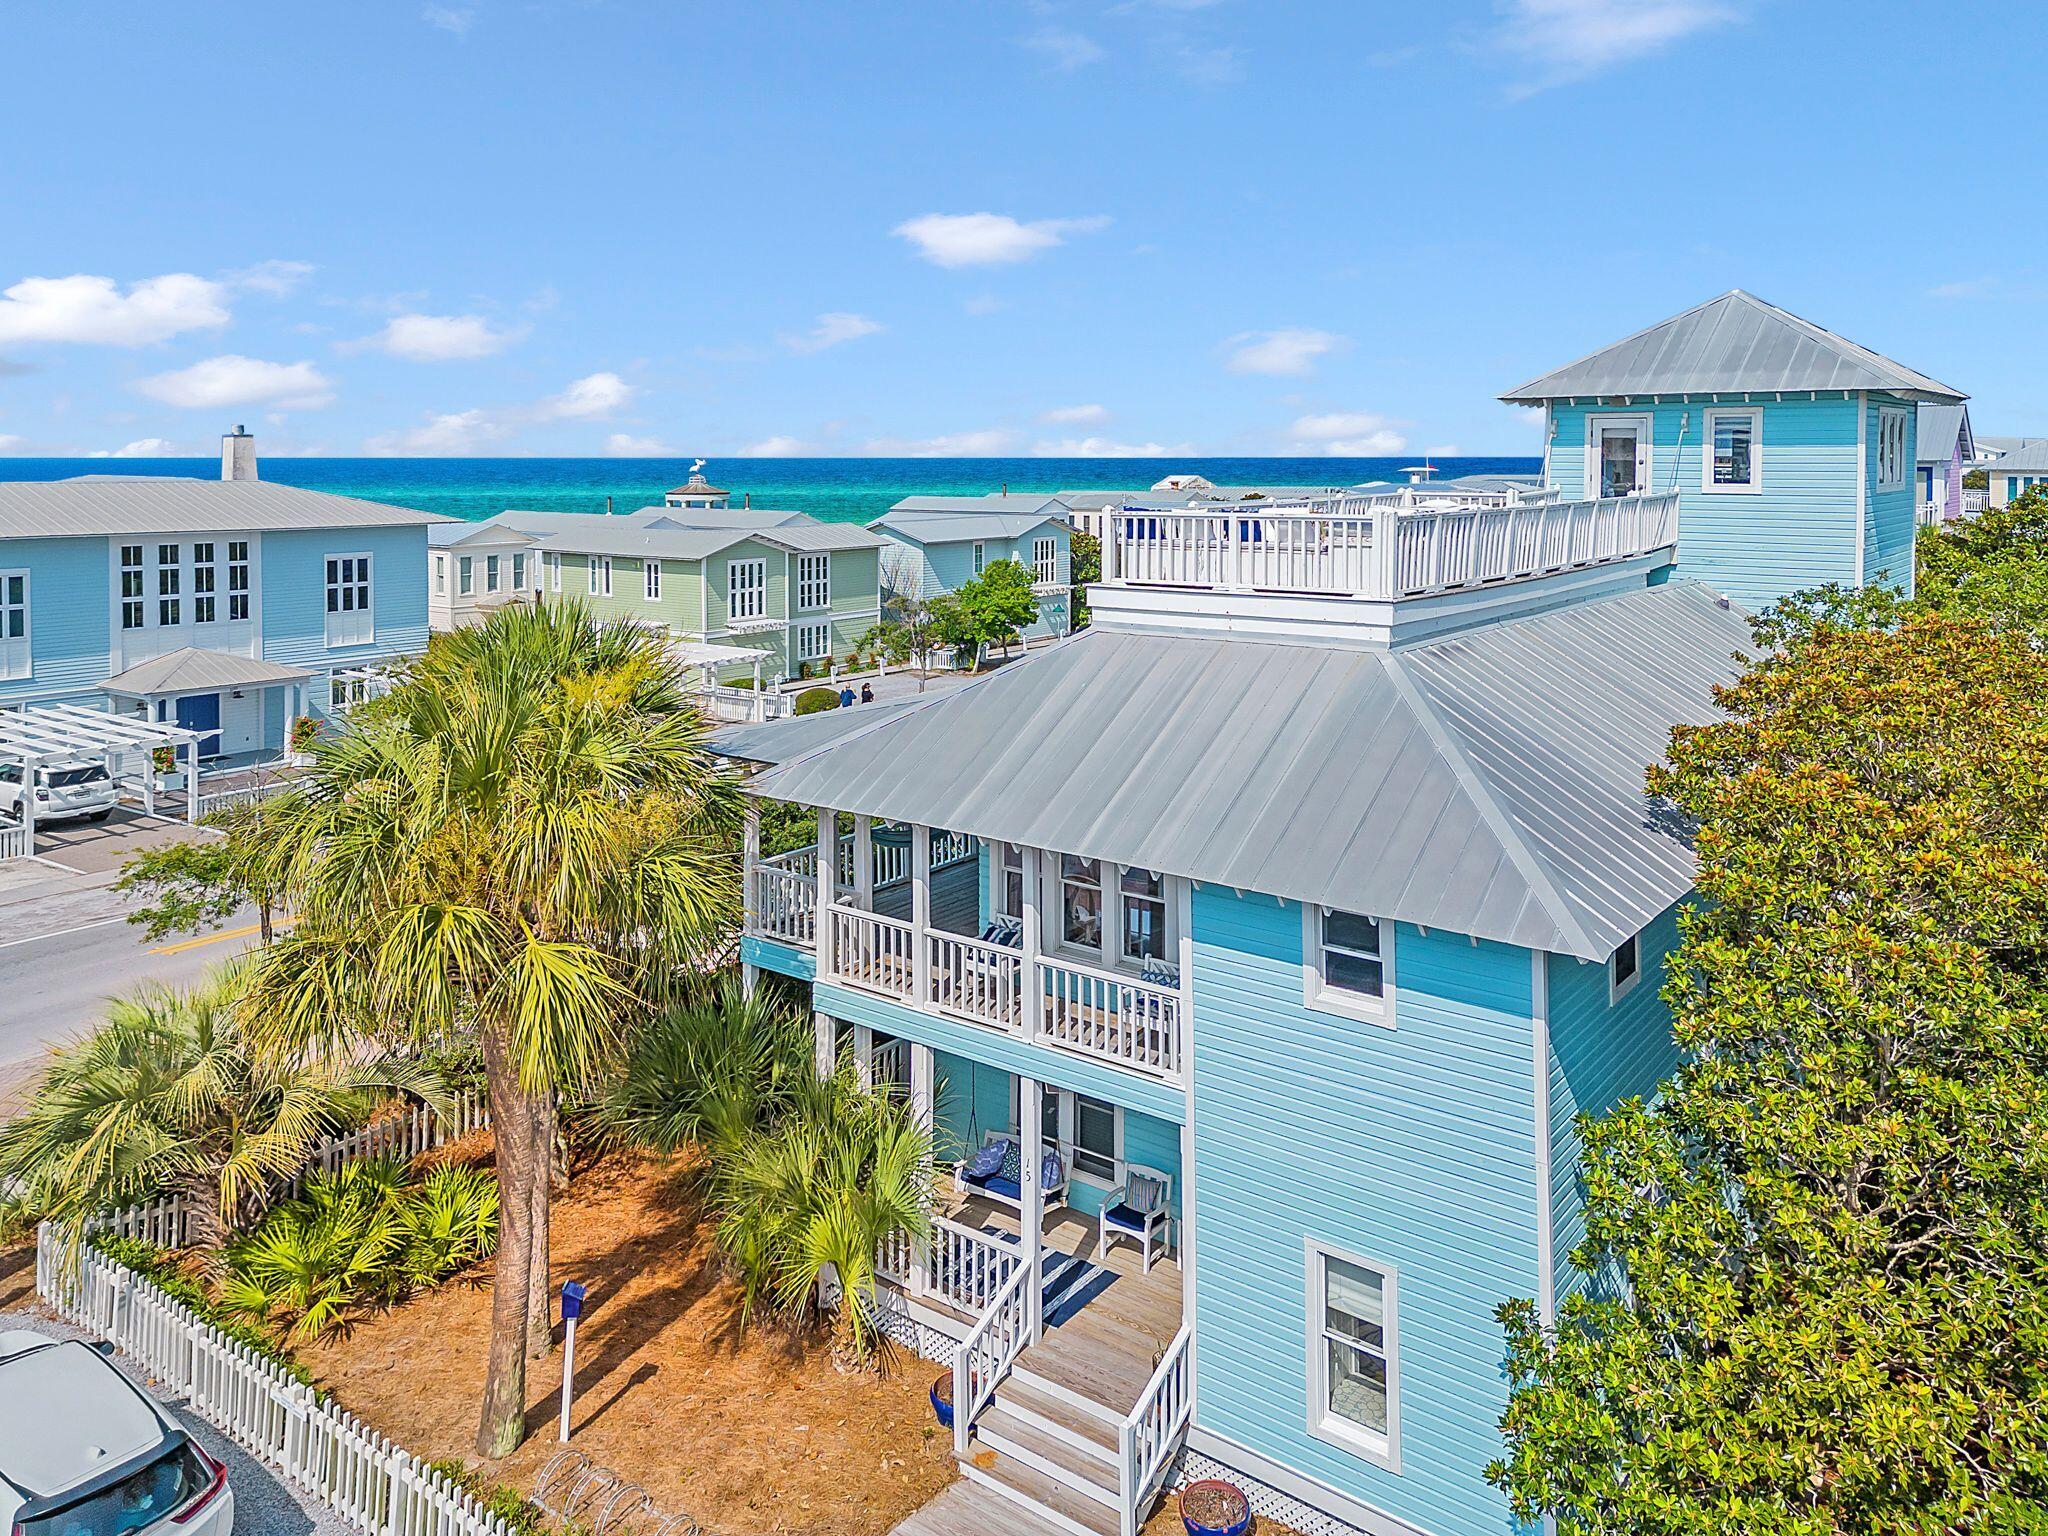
<point x="940" y="1405"/>
<point x="1237" y="1527"/>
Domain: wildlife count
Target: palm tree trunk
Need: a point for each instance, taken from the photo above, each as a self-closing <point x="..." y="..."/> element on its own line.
<point x="502" y="1424"/>
<point x="539" y="1308"/>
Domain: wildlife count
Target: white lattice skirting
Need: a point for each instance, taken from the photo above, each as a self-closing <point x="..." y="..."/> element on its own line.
<point x="1267" y="1502"/>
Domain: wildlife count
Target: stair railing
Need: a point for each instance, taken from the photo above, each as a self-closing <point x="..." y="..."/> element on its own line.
<point x="1151" y="1432"/>
<point x="985" y="1356"/>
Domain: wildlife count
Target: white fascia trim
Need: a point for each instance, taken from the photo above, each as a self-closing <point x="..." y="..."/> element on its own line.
<point x="1546" y="1231"/>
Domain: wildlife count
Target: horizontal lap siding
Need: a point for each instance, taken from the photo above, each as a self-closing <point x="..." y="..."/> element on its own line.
<point x="1600" y="1055"/>
<point x="70" y="604"/>
<point x="1798" y="532"/>
<point x="856" y="587"/>
<point x="1893" y="516"/>
<point x="294" y="578"/>
<point x="1414" y="1146"/>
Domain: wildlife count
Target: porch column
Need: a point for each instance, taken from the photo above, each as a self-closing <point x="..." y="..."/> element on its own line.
<point x="923" y="1071"/>
<point x="1030" y="1102"/>
<point x="864" y="863"/>
<point x="921" y="913"/>
<point x="192" y="782"/>
<point x="1033" y="937"/>
<point x="825" y="1033"/>
<point x="864" y="1056"/>
<point x="757" y="706"/>
<point x="828" y="874"/>
<point x="750" y="861"/>
<point x="29" y="765"/>
<point x="1110" y="529"/>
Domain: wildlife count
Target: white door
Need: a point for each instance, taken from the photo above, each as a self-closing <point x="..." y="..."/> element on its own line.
<point x="1618" y="455"/>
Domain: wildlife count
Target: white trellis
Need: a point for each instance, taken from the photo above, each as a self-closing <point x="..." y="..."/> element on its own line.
<point x="37" y="735"/>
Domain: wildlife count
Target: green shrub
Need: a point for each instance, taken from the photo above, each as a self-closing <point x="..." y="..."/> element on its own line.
<point x="815" y="700"/>
<point x="160" y="1268"/>
<point x="525" y="1517"/>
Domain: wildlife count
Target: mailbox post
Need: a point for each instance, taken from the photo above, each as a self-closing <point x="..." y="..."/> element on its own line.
<point x="572" y="1308"/>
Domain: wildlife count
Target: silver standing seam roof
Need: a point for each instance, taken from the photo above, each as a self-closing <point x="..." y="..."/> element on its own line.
<point x="189" y="668"/>
<point x="955" y="519"/>
<point x="1937" y="430"/>
<point x="1736" y="344"/>
<point x="1490" y="783"/>
<point x="683" y="533"/>
<point x="99" y="505"/>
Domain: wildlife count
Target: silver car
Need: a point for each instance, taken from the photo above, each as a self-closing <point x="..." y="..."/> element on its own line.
<point x="64" y="791"/>
<point x="85" y="1452"/>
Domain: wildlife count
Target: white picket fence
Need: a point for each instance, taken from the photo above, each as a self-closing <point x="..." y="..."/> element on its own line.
<point x="373" y="1484"/>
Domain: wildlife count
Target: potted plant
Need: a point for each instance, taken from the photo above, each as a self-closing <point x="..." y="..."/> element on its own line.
<point x="163" y="762"/>
<point x="304" y="729"/>
<point x="942" y="1398"/>
<point x="1213" y="1507"/>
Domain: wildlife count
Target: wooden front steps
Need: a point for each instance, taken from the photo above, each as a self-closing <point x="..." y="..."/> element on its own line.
<point x="1050" y="1451"/>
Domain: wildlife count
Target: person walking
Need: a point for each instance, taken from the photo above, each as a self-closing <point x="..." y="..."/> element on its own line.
<point x="845" y="695"/>
<point x="867" y="693"/>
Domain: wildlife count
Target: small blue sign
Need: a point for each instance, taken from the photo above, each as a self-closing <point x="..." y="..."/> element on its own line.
<point x="572" y="1300"/>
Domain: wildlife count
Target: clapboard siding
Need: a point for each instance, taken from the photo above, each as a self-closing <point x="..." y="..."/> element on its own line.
<point x="1892" y="523"/>
<point x="69" y="609"/>
<point x="293" y="575"/>
<point x="1413" y="1146"/>
<point x="1798" y="532"/>
<point x="926" y="570"/>
<point x="1600" y="1054"/>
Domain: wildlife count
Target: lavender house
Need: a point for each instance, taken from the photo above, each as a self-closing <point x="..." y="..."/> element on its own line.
<point x="1946" y="450"/>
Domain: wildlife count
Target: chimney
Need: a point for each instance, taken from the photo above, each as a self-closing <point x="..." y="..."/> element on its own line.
<point x="238" y="455"/>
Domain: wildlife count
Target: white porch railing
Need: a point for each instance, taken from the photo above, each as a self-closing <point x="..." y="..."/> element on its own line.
<point x="1151" y="1432"/>
<point x="985" y="1356"/>
<point x="1346" y="546"/>
<point x="785" y="904"/>
<point x="13" y="842"/>
<point x="976" y="980"/>
<point x="211" y="800"/>
<point x="962" y="1267"/>
<point x="1117" y="1018"/>
<point x="872" y="951"/>
<point x="729" y="705"/>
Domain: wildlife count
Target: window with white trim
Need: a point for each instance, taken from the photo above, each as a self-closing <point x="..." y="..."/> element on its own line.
<point x="593" y="573"/>
<point x="1080" y="902"/>
<point x="554" y="564"/>
<point x="813" y="642"/>
<point x="14" y="652"/>
<point x="465" y="575"/>
<point x="349" y="619"/>
<point x="169" y="608"/>
<point x="131" y="586"/>
<point x="441" y="574"/>
<point x="1045" y="561"/>
<point x="238" y="580"/>
<point x="491" y="573"/>
<point x="813" y="582"/>
<point x="980" y="556"/>
<point x="1891" y="447"/>
<point x="650" y="580"/>
<point x="204" y="577"/>
<point x="1354" y="1387"/>
<point x="1624" y="968"/>
<point x="519" y="573"/>
<point x="1734" y="456"/>
<point x="1089" y="1133"/>
<point x="1009" y="893"/>
<point x="746" y="590"/>
<point x="1348" y="962"/>
<point x="607" y="563"/>
<point x="1143" y="893"/>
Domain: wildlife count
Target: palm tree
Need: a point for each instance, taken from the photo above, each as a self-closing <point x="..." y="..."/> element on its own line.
<point x="525" y="844"/>
<point x="170" y="1094"/>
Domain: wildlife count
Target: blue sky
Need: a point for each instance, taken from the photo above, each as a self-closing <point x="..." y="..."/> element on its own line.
<point x="976" y="226"/>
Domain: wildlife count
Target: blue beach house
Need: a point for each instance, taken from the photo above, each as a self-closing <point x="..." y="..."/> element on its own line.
<point x="1250" y="954"/>
<point x="940" y="543"/>
<point x="222" y="607"/>
<point x="1791" y="449"/>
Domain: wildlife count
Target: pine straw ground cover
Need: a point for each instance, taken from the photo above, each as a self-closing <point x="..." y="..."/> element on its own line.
<point x="752" y="1433"/>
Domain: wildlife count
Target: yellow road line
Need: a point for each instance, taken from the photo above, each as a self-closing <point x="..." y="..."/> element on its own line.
<point x="215" y="938"/>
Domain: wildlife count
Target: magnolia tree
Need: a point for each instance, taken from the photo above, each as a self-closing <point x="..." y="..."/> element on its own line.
<point x="1813" y="1294"/>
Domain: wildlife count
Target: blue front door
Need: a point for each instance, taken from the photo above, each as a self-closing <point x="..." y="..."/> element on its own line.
<point x="201" y="712"/>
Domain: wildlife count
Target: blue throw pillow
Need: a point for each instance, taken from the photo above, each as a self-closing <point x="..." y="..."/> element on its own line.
<point x="986" y="1161"/>
<point x="1051" y="1172"/>
<point x="1013" y="1162"/>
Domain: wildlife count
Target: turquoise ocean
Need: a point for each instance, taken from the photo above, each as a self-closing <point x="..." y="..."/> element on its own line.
<point x="837" y="490"/>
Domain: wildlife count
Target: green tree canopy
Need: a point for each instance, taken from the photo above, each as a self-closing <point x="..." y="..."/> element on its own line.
<point x="1993" y="566"/>
<point x="1815" y="1277"/>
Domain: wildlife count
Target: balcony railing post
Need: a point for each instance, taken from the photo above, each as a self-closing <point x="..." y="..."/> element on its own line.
<point x="1033" y="935"/>
<point x="921" y="914"/>
<point x="1112" y="542"/>
<point x="750" y="864"/>
<point x="828" y="870"/>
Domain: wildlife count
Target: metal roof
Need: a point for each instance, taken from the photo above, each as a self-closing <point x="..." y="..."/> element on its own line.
<point x="1490" y="783"/>
<point x="1736" y="344"/>
<point x="1936" y="431"/>
<point x="2029" y="458"/>
<point x="684" y="533"/>
<point x="147" y="504"/>
<point x="954" y="519"/>
<point x="448" y="535"/>
<point x="188" y="669"/>
<point x="782" y="740"/>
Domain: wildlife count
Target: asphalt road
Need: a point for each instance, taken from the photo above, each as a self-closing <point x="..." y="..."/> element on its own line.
<point x="62" y="957"/>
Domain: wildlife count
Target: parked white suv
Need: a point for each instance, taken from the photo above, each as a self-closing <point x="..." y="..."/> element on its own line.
<point x="85" y="1452"/>
<point x="64" y="791"/>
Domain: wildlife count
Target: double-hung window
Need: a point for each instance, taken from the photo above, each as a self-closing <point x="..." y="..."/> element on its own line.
<point x="607" y="563"/>
<point x="519" y="573"/>
<point x="1144" y="914"/>
<point x="1045" y="561"/>
<point x="131" y="586"/>
<point x="14" y="653"/>
<point x="593" y="574"/>
<point x="813" y="582"/>
<point x="813" y="642"/>
<point x="650" y="580"/>
<point x="204" y="577"/>
<point x="1086" y="1129"/>
<point x="746" y="590"/>
<point x="1348" y="962"/>
<point x="1891" y="448"/>
<point x="238" y="580"/>
<point x="169" y="607"/>
<point x="980" y="557"/>
<point x="1734" y="456"/>
<point x="1624" y="968"/>
<point x="1354" y="1390"/>
<point x="465" y="575"/>
<point x="441" y="575"/>
<point x="490" y="573"/>
<point x="349" y="619"/>
<point x="1010" y="879"/>
<point x="1080" y="902"/>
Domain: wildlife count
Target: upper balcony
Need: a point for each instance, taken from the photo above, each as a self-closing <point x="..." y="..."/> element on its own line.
<point x="1373" y="569"/>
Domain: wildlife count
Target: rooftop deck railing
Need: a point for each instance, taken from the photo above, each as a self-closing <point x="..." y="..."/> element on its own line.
<point x="1352" y="546"/>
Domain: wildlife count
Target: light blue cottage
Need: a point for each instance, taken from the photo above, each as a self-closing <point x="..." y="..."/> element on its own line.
<point x="1251" y="954"/>
<point x="940" y="543"/>
<point x="220" y="606"/>
<point x="1790" y="448"/>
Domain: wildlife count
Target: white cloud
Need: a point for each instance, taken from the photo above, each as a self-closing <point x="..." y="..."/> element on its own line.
<point x="1290" y="351"/>
<point x="450" y="18"/>
<point x="1567" y="40"/>
<point x="1104" y="448"/>
<point x="987" y="239"/>
<point x="597" y="394"/>
<point x="235" y="380"/>
<point x="10" y="441"/>
<point x="1348" y="434"/>
<point x="141" y="448"/>
<point x="1066" y="49"/>
<point x="780" y="446"/>
<point x="451" y="434"/>
<point x="275" y="278"/>
<point x="1076" y="415"/>
<point x="952" y="445"/>
<point x="831" y="330"/>
<point x="440" y="338"/>
<point x="621" y="445"/>
<point x="93" y="311"/>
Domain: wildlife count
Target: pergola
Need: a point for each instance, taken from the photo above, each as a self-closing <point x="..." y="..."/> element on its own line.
<point x="703" y="653"/>
<point x="41" y="734"/>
